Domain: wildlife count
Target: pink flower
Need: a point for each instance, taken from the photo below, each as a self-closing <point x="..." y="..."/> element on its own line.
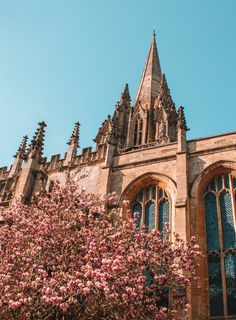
<point x="64" y="306"/>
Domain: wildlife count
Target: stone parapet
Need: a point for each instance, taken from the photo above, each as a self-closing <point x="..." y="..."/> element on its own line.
<point x="86" y="157"/>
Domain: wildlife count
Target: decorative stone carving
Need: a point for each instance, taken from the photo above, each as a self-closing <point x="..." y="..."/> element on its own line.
<point x="181" y="122"/>
<point x="35" y="149"/>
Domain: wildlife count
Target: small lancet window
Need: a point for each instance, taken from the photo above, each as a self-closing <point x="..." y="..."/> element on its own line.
<point x="138" y="131"/>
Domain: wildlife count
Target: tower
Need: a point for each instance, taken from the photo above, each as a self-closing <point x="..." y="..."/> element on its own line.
<point x="154" y="116"/>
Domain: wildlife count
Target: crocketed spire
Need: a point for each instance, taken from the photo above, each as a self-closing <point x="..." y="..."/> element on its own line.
<point x="125" y="96"/>
<point x="35" y="149"/>
<point x="74" y="139"/>
<point x="21" y="152"/>
<point x="73" y="145"/>
<point x="181" y="121"/>
<point x="19" y="157"/>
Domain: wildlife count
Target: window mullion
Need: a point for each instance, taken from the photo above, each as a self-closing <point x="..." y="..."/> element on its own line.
<point x="157" y="214"/>
<point x="221" y="252"/>
<point x="143" y="207"/>
<point x="232" y="199"/>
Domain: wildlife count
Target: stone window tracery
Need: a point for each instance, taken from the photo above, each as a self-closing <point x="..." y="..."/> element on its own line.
<point x="152" y="204"/>
<point x="219" y="203"/>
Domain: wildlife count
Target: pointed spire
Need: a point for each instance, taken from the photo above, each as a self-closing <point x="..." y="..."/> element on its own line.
<point x="35" y="149"/>
<point x="74" y="139"/>
<point x="181" y="122"/>
<point x="151" y="77"/>
<point x="21" y="152"/>
<point x="73" y="145"/>
<point x="125" y="96"/>
<point x="19" y="157"/>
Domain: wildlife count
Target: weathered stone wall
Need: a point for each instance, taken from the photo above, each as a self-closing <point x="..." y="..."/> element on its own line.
<point x="91" y="177"/>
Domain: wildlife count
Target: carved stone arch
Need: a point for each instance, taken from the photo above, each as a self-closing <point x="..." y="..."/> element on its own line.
<point x="137" y="126"/>
<point x="139" y="110"/>
<point x="128" y="194"/>
<point x="196" y="192"/>
<point x="208" y="173"/>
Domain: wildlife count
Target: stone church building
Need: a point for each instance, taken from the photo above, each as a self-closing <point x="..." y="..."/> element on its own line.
<point x="143" y="155"/>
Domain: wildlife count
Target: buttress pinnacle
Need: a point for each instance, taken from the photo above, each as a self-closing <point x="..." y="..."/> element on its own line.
<point x="181" y="121"/>
<point x="35" y="149"/>
<point x="21" y="152"/>
<point x="74" y="139"/>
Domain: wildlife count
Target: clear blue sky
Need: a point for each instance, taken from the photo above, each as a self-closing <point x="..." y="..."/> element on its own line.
<point x="68" y="61"/>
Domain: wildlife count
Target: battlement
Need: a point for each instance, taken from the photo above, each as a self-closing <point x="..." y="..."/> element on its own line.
<point x="86" y="157"/>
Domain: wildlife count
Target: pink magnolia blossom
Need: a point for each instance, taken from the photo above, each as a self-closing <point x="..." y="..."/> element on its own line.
<point x="65" y="257"/>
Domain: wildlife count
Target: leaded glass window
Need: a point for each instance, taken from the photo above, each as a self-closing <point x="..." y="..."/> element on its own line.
<point x="152" y="204"/>
<point x="219" y="203"/>
<point x="163" y="214"/>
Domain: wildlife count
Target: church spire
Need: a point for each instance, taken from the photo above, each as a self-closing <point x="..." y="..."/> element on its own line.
<point x="35" y="149"/>
<point x="151" y="77"/>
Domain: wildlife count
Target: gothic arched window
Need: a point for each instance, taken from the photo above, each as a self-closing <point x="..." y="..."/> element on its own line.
<point x="152" y="204"/>
<point x="219" y="202"/>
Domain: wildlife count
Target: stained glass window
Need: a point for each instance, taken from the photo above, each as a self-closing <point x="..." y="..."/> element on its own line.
<point x="227" y="182"/>
<point x="211" y="222"/>
<point x="153" y="204"/>
<point x="215" y="286"/>
<point x="150" y="216"/>
<point x="219" y="202"/>
<point x="227" y="220"/>
<point x="230" y="273"/>
<point x="148" y="193"/>
<point x="154" y="192"/>
<point x="163" y="214"/>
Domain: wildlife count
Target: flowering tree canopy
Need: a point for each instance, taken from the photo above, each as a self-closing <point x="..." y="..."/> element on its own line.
<point x="66" y="257"/>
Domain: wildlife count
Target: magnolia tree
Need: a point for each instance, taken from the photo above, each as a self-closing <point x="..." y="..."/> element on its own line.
<point x="66" y="257"/>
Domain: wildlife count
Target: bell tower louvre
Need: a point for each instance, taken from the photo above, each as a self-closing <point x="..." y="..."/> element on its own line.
<point x="142" y="153"/>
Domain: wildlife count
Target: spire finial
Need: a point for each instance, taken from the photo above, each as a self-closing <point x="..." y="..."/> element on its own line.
<point x="73" y="145"/>
<point x="181" y="121"/>
<point x="154" y="32"/>
<point x="22" y="148"/>
<point x="125" y="96"/>
<point x="36" y="146"/>
<point x="74" y="139"/>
